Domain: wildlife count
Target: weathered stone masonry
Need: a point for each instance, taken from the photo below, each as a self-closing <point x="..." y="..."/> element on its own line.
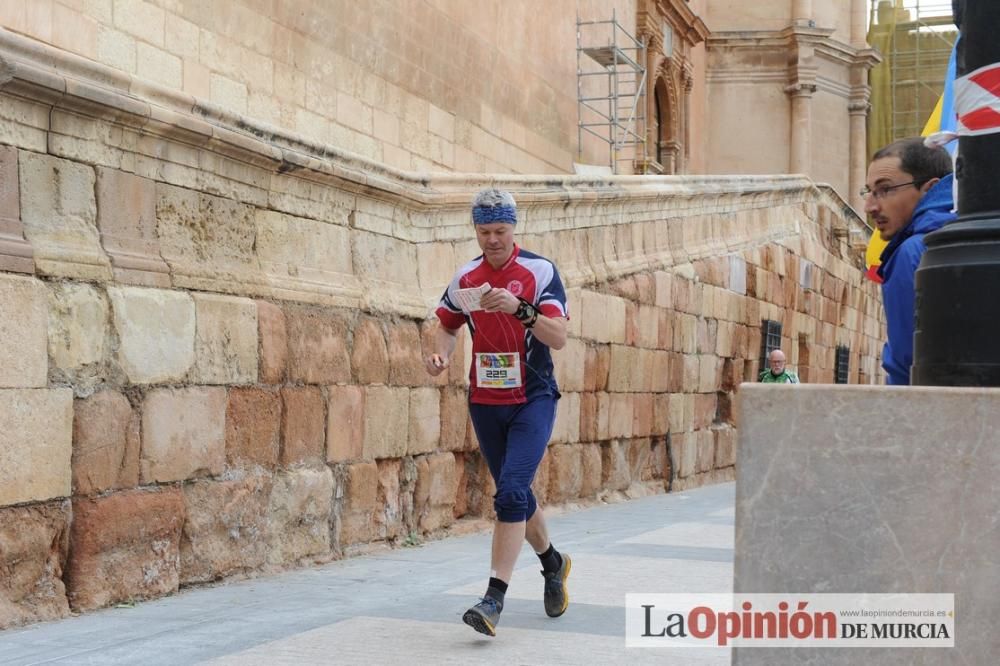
<point x="211" y="334"/>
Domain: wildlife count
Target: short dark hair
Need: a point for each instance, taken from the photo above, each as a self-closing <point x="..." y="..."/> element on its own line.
<point x="920" y="161"/>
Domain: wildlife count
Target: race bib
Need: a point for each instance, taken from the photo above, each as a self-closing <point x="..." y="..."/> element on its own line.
<point x="498" y="371"/>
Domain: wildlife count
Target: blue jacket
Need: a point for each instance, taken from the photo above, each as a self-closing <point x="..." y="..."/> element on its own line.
<point x="899" y="264"/>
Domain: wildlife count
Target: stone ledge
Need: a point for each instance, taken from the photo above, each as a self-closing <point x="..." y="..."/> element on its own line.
<point x="38" y="71"/>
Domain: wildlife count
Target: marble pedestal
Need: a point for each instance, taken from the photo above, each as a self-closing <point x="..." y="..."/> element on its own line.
<point x="872" y="489"/>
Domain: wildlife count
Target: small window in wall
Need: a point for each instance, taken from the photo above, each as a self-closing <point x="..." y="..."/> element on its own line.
<point x="770" y="339"/>
<point x="842" y="367"/>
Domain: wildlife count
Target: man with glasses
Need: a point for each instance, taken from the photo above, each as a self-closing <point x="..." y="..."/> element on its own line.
<point x="777" y="373"/>
<point x="908" y="194"/>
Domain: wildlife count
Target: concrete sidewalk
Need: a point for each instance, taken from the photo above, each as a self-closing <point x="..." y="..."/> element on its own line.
<point x="404" y="606"/>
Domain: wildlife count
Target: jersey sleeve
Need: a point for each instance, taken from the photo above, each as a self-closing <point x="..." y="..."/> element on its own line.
<point x="448" y="313"/>
<point x="552" y="296"/>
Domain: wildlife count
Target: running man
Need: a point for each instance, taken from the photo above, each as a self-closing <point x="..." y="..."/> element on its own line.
<point x="519" y="317"/>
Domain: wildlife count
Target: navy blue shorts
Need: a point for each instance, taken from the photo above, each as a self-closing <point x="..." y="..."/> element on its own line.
<point x="513" y="440"/>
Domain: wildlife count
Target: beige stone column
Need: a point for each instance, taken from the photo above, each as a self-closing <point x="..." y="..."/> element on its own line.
<point x="859" y="20"/>
<point x="802" y="11"/>
<point x="858" y="110"/>
<point x="800" y="146"/>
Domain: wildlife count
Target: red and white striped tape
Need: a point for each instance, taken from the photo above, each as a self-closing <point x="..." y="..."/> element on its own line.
<point x="977" y="101"/>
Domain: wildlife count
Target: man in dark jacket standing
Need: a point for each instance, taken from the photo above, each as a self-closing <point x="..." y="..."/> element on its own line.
<point x="908" y="194"/>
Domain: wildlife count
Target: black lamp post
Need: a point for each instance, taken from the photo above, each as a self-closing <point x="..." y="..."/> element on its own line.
<point x="957" y="339"/>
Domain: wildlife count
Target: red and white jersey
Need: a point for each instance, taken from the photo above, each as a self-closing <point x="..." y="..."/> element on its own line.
<point x="498" y="339"/>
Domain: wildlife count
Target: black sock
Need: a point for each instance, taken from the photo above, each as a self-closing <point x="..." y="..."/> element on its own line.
<point x="496" y="590"/>
<point x="551" y="560"/>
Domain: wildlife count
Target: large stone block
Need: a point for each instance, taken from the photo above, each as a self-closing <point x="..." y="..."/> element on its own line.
<point x="639" y="454"/>
<point x="591" y="466"/>
<point x="15" y="252"/>
<point x="303" y="255"/>
<point x="299" y="514"/>
<point x="183" y="434"/>
<point x="156" y="332"/>
<point x="24" y="331"/>
<point x="317" y="346"/>
<point x="565" y="472"/>
<point x="623" y="369"/>
<point x="226" y="527"/>
<point x="597" y="365"/>
<point x="603" y="416"/>
<point x="621" y="415"/>
<point x="588" y="417"/>
<point x="665" y="329"/>
<point x="303" y="425"/>
<point x="616" y="315"/>
<point x="345" y="425"/>
<point x="36" y="443"/>
<point x="387" y="267"/>
<point x="571" y="365"/>
<point x="105" y="444"/>
<point x="615" y="466"/>
<point x="649" y="327"/>
<point x="253" y="420"/>
<point x="124" y="547"/>
<point x="273" y="342"/>
<point x="126" y="217"/>
<point x="685" y="451"/>
<point x="642" y="414"/>
<point x="369" y="355"/>
<point x="206" y="240"/>
<point x="59" y="214"/>
<point x="705" y="457"/>
<point x="567" y="424"/>
<point x="435" y="491"/>
<point x="454" y="418"/>
<point x="406" y="364"/>
<point x="78" y="334"/>
<point x="225" y="345"/>
<point x="34" y="542"/>
<point x="425" y="420"/>
<point x="360" y="492"/>
<point x="393" y="516"/>
<point x="387" y="412"/>
<point x="705" y="407"/>
<point x="595" y="318"/>
<point x="436" y="264"/>
<point x="725" y="445"/>
<point x="895" y="491"/>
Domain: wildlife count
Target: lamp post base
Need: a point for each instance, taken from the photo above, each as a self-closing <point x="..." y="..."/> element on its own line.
<point x="957" y="333"/>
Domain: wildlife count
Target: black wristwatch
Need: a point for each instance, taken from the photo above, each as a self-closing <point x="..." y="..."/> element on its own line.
<point x="526" y="313"/>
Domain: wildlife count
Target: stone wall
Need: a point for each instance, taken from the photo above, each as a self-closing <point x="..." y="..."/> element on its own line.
<point x="447" y="85"/>
<point x="490" y="86"/>
<point x="211" y="337"/>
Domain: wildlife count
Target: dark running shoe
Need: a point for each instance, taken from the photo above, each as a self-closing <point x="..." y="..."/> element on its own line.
<point x="484" y="616"/>
<point x="556" y="596"/>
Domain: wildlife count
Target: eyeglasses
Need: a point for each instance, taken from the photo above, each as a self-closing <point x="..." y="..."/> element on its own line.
<point x="883" y="191"/>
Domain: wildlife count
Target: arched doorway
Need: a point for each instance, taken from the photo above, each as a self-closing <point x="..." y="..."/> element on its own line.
<point x="665" y="106"/>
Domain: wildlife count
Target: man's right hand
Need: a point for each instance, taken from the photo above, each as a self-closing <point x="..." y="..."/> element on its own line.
<point x="435" y="364"/>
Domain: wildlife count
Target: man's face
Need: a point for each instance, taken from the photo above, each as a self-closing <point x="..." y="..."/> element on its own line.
<point x="891" y="209"/>
<point x="496" y="240"/>
<point x="777" y="363"/>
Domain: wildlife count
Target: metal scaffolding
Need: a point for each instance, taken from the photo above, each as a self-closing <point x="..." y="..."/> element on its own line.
<point x="612" y="110"/>
<point x="922" y="33"/>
